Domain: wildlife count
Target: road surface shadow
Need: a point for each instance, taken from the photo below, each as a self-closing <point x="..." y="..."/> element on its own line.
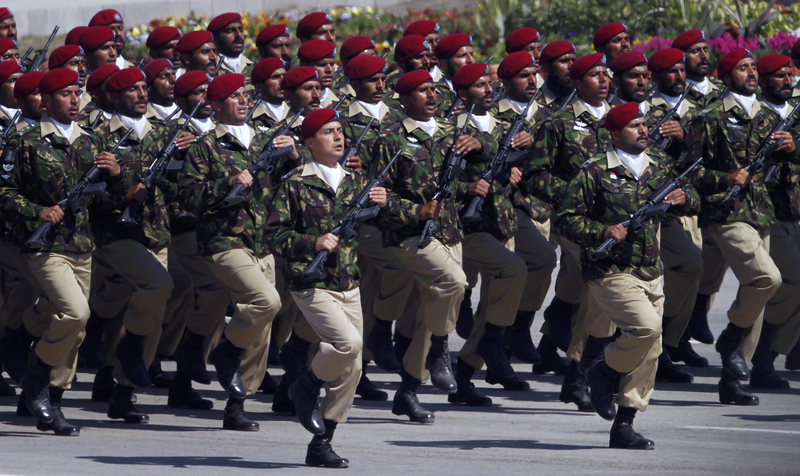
<point x="768" y="418"/>
<point x="189" y="461"/>
<point x="487" y="444"/>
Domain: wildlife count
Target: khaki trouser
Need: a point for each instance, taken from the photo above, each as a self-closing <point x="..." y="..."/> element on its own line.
<point x="569" y="280"/>
<point x="178" y="304"/>
<point x="438" y="270"/>
<point x="714" y="266"/>
<point x="65" y="279"/>
<point x="18" y="294"/>
<point x="635" y="306"/>
<point x="783" y="309"/>
<point x="336" y="318"/>
<point x="284" y="320"/>
<point x="251" y="283"/>
<point x="681" y="252"/>
<point x="532" y="244"/>
<point x="503" y="275"/>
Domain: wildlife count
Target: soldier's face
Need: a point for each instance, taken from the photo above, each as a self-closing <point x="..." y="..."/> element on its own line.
<point x="230" y="40"/>
<point x="619" y="44"/>
<point x="132" y="102"/>
<point x="697" y="61"/>
<point x="119" y="39"/>
<point x="102" y="56"/>
<point x="8" y="28"/>
<point x="233" y="109"/>
<point x="202" y="59"/>
<point x="326" y="32"/>
<point x="197" y="96"/>
<point x="421" y="61"/>
<point x="168" y="51"/>
<point x="433" y="40"/>
<point x="162" y="89"/>
<point x="280" y="47"/>
<point x="307" y="96"/>
<point x="420" y="104"/>
<point x="370" y="90"/>
<point x="31" y="105"/>
<point x="743" y="78"/>
<point x="593" y="85"/>
<point x="479" y="94"/>
<point x="672" y="81"/>
<point x="326" y="67"/>
<point x="560" y="65"/>
<point x="270" y="88"/>
<point x="535" y="49"/>
<point x="78" y="64"/>
<point x="103" y="98"/>
<point x="521" y="86"/>
<point x="465" y="55"/>
<point x="633" y="137"/>
<point x="632" y="83"/>
<point x="777" y="87"/>
<point x="327" y="145"/>
<point x="11" y="54"/>
<point x="63" y="105"/>
<point x="7" y="91"/>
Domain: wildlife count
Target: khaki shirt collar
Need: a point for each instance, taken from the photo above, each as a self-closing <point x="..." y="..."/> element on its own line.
<point x="49" y="128"/>
<point x="728" y="103"/>
<point x="462" y="118"/>
<point x="357" y="108"/>
<point x="613" y="161"/>
<point x="578" y="108"/>
<point x="658" y="100"/>
<point x="310" y="169"/>
<point x="116" y="123"/>
<point x="221" y="131"/>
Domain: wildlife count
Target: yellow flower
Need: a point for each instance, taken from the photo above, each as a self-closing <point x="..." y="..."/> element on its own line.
<point x="370" y="10"/>
<point x="135" y="31"/>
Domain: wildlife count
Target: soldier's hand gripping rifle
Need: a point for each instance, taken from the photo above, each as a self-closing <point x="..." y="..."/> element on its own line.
<point x="264" y="162"/>
<point x="41" y="55"/>
<point x="89" y="184"/>
<point x="672" y="115"/>
<point x="162" y="164"/>
<point x="654" y="207"/>
<point x="501" y="161"/>
<point x="6" y="133"/>
<point x="347" y="229"/>
<point x="352" y="151"/>
<point x="451" y="168"/>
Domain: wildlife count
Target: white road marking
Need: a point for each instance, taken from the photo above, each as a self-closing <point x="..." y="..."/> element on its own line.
<point x="759" y="430"/>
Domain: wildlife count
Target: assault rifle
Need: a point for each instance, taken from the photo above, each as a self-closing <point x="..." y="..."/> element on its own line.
<point x="671" y="115"/>
<point x="352" y="151"/>
<point x="9" y="128"/>
<point x="41" y="55"/>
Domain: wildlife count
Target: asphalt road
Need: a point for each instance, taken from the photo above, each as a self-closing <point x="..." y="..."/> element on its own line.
<point x="529" y="432"/>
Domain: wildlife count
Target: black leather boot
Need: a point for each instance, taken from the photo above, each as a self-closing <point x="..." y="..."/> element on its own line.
<point x="60" y="426"/>
<point x="551" y="361"/>
<point x="294" y="358"/>
<point x="622" y="434"/>
<point x="406" y="401"/>
<point x="15" y="347"/>
<point x="574" y="389"/>
<point x="380" y="343"/>
<point x="686" y="354"/>
<point x="130" y="353"/>
<point x="182" y="395"/>
<point x="669" y="372"/>
<point x="6" y="390"/>
<point x="438" y="364"/>
<point x="92" y="349"/>
<point x="558" y="316"/>
<point x="157" y="375"/>
<point x="268" y="386"/>
<point x="35" y="384"/>
<point x="466" y="318"/>
<point x="511" y="384"/>
<point x="491" y="349"/>
<point x="401" y="344"/>
<point x="281" y="403"/>
<point x="121" y="407"/>
<point x="517" y="337"/>
<point x="729" y="346"/>
<point x="305" y="395"/>
<point x="227" y="361"/>
<point x="731" y="392"/>
<point x="320" y="452"/>
<point x="793" y="358"/>
<point x="593" y="350"/>
<point x="190" y="357"/>
<point x="763" y="375"/>
<point x="235" y="418"/>
<point x="467" y="393"/>
<point x="22" y="409"/>
<point x="103" y="385"/>
<point x="366" y="390"/>
<point x="603" y="384"/>
<point x="698" y="324"/>
<point x="274" y="352"/>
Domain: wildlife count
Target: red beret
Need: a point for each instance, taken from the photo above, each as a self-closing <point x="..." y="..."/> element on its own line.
<point x="155" y="67"/>
<point x="124" y="78"/>
<point x="221" y="21"/>
<point x="264" y="69"/>
<point x="620" y="116"/>
<point x="411" y="80"/>
<point x="7" y="44"/>
<point x="606" y="32"/>
<point x="795" y="54"/>
<point x="99" y="75"/>
<point x="468" y="74"/>
<point x="729" y="61"/>
<point x="56" y="79"/>
<point x="225" y="85"/>
<point x="355" y="45"/>
<point x="297" y="76"/>
<point x="314" y="121"/>
<point x="585" y="63"/>
<point x="74" y="35"/>
<point x="189" y="81"/>
<point x="5" y="13"/>
<point x="96" y="36"/>
<point x="8" y="68"/>
<point x="27" y="83"/>
<point x="554" y="49"/>
<point x="409" y="46"/>
<point x="311" y="23"/>
<point x="664" y="59"/>
<point x="422" y="28"/>
<point x="161" y="36"/>
<point x="193" y="40"/>
<point x="627" y="60"/>
<point x="271" y="32"/>
<point x="686" y="39"/>
<point x="314" y="50"/>
<point x="514" y="63"/>
<point x="450" y="44"/>
<point x="105" y="18"/>
<point x="521" y="38"/>
<point x="768" y="64"/>
<point x="62" y="54"/>
<point x="364" y="66"/>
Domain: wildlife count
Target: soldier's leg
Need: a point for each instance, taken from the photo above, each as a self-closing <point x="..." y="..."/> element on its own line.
<point x="714" y="268"/>
<point x="559" y="316"/>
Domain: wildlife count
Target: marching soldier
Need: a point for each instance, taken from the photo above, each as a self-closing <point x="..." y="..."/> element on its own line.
<point x="630" y="79"/>
<point x="72" y="57"/>
<point x="352" y="47"/>
<point x="98" y="44"/>
<point x="99" y="110"/>
<point x="316" y="26"/>
<point x="429" y="31"/>
<point x="74" y="35"/>
<point x="612" y="39"/>
<point x="198" y="52"/>
<point x="229" y="39"/>
<point x="266" y="79"/>
<point x="8" y="26"/>
<point x="526" y="39"/>
<point x="554" y="65"/>
<point x="10" y="71"/>
<point x="160" y="75"/>
<point x="9" y="50"/>
<point x="698" y="67"/>
<point x="162" y="42"/>
<point x="411" y="53"/>
<point x="112" y="19"/>
<point x="274" y="42"/>
<point x="453" y="52"/>
<point x="29" y="98"/>
<point x="321" y="55"/>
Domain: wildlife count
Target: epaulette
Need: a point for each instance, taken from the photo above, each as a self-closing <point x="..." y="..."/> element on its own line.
<point x="292" y="172"/>
<point x="197" y="138"/>
<point x="393" y="127"/>
<point x="586" y="164"/>
<point x="85" y="127"/>
<point x="24" y="129"/>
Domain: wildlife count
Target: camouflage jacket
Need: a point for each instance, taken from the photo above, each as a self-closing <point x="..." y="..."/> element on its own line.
<point x="262" y="122"/>
<point x="245" y="68"/>
<point x="210" y="164"/>
<point x="445" y="97"/>
<point x="702" y="101"/>
<point x="561" y="146"/>
<point x="46" y="168"/>
<point x="354" y="118"/>
<point x="136" y="155"/>
<point x="391" y="81"/>
<point x="605" y="193"/>
<point x="8" y="159"/>
<point x="305" y="208"/>
<point x="786" y="195"/>
<point x="286" y="165"/>
<point x="88" y="116"/>
<point x="657" y="108"/>
<point x="547" y="98"/>
<point x="728" y="139"/>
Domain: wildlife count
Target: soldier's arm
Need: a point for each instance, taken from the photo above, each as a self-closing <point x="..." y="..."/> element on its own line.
<point x="383" y="151"/>
<point x="15" y="204"/>
<point x="700" y="142"/>
<point x="281" y="233"/>
<point x="573" y="221"/>
<point x="538" y="174"/>
<point x="199" y="190"/>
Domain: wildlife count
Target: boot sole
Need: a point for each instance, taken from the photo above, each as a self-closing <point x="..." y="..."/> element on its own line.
<point x="45" y="427"/>
<point x="231" y="426"/>
<point x="621" y="447"/>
